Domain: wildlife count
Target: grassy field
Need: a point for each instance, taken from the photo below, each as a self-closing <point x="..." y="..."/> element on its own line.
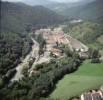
<point x="88" y="76"/>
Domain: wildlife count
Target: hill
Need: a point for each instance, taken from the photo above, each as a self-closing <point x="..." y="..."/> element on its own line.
<point x="16" y="21"/>
<point x="89" y="11"/>
<point x="13" y="46"/>
<point x="16" y="17"/>
<point x="62" y="6"/>
<point x="37" y="2"/>
<point x="89" y="33"/>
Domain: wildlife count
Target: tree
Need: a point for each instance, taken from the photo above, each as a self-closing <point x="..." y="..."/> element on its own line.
<point x="25" y="70"/>
<point x="95" y="60"/>
<point x="95" y="54"/>
<point x="90" y="52"/>
<point x="28" y="28"/>
<point x="67" y="51"/>
<point x="1" y="83"/>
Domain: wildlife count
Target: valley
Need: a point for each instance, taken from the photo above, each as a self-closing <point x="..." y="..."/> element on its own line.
<point x="53" y="39"/>
<point x="51" y="50"/>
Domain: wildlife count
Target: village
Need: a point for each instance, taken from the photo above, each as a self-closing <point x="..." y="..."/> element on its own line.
<point x="57" y="37"/>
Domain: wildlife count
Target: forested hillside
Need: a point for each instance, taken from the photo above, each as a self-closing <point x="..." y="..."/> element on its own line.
<point x="17" y="17"/>
<point x="88" y="32"/>
<point x="16" y="21"/>
<point x="33" y="59"/>
<point x="12" y="47"/>
<point x="90" y="11"/>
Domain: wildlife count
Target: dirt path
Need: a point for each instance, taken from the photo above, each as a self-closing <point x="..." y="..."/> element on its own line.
<point x="44" y="58"/>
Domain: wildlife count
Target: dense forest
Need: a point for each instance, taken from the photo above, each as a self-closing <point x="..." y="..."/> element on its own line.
<point x="43" y="81"/>
<point x="12" y="47"/>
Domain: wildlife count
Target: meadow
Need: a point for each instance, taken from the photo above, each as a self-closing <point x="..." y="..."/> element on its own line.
<point x="88" y="76"/>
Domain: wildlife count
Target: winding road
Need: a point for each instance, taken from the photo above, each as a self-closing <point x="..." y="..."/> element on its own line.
<point x="25" y="62"/>
<point x="19" y="68"/>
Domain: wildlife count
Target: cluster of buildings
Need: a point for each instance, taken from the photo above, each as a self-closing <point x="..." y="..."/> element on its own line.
<point x="53" y="39"/>
<point x="57" y="36"/>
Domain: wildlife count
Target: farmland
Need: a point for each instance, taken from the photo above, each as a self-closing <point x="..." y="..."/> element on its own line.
<point x="88" y="76"/>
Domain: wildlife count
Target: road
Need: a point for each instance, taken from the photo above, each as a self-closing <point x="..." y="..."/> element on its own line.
<point x="25" y="62"/>
<point x="19" y="68"/>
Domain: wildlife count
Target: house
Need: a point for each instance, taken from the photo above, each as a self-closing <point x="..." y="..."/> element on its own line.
<point x="56" y="52"/>
<point x="94" y="95"/>
<point x="84" y="55"/>
<point x="87" y="96"/>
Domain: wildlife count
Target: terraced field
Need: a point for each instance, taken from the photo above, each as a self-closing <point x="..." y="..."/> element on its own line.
<point x="89" y="76"/>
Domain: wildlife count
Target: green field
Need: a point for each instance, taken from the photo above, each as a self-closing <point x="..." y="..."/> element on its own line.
<point x="88" y="76"/>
